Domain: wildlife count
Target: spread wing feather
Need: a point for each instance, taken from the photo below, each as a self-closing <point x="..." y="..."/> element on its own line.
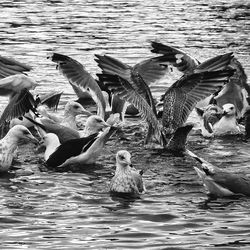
<point x="20" y="104"/>
<point x="181" y="98"/>
<point x="9" y="66"/>
<point x="125" y="91"/>
<point x="176" y="57"/>
<point x="77" y="74"/>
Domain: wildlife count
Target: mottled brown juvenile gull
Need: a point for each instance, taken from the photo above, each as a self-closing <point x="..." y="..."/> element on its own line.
<point x="247" y="123"/>
<point x="219" y="182"/>
<point x="8" y="145"/>
<point x="232" y="92"/>
<point x="127" y="180"/>
<point x="179" y="100"/>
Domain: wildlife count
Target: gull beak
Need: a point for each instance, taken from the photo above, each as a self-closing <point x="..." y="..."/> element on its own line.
<point x="86" y="112"/>
<point x="224" y="113"/>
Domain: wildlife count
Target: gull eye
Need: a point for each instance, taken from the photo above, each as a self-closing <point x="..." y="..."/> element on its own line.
<point x="232" y="108"/>
<point x="122" y="157"/>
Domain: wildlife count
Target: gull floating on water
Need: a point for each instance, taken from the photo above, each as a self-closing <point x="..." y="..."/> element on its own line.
<point x="82" y="151"/>
<point x="93" y="125"/>
<point x="232" y="92"/>
<point x="8" y="145"/>
<point x="127" y="180"/>
<point x="220" y="183"/>
<point x="71" y="110"/>
<point x="179" y="100"/>
<point x="219" y="122"/>
<point x="228" y="124"/>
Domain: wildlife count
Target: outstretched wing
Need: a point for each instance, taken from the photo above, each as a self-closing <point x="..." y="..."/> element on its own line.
<point x="112" y="66"/>
<point x="9" y="66"/>
<point x="77" y="74"/>
<point x="126" y="91"/>
<point x="51" y="99"/>
<point x="150" y="70"/>
<point x="20" y="104"/>
<point x="181" y="98"/>
<point x="175" y="57"/>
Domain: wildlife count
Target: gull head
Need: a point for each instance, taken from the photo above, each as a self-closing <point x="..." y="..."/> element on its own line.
<point x="123" y="158"/>
<point x="229" y="109"/>
<point x="95" y="123"/>
<point x="22" y="134"/>
<point x="76" y="108"/>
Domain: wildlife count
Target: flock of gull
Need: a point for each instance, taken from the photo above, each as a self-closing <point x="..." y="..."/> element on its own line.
<point x="215" y="89"/>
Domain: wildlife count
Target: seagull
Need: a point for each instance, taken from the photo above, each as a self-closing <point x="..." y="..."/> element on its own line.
<point x="71" y="110"/>
<point x="8" y="145"/>
<point x="232" y="92"/>
<point x="179" y="100"/>
<point x="221" y="183"/>
<point x="78" y="76"/>
<point x="93" y="125"/>
<point x="208" y="117"/>
<point x="17" y="85"/>
<point x="82" y="151"/>
<point x="228" y="124"/>
<point x="151" y="72"/>
<point x="20" y="99"/>
<point x="51" y="143"/>
<point x="127" y="180"/>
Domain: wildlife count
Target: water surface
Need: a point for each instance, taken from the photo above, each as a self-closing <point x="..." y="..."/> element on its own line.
<point x="73" y="210"/>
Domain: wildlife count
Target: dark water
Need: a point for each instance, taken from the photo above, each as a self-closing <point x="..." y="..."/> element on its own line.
<point x="49" y="210"/>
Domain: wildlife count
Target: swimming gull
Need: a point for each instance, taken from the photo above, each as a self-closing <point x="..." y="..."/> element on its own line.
<point x="219" y="182"/>
<point x="80" y="152"/>
<point x="8" y="145"/>
<point x="127" y="180"/>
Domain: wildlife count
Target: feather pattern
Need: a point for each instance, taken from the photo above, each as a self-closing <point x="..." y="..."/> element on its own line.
<point x="176" y="57"/>
<point x="77" y="74"/>
<point x="125" y="91"/>
<point x="9" y="66"/>
<point x="181" y="98"/>
<point x="20" y="104"/>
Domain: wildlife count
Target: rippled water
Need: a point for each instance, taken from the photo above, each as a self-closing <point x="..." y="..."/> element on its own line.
<point x="74" y="210"/>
